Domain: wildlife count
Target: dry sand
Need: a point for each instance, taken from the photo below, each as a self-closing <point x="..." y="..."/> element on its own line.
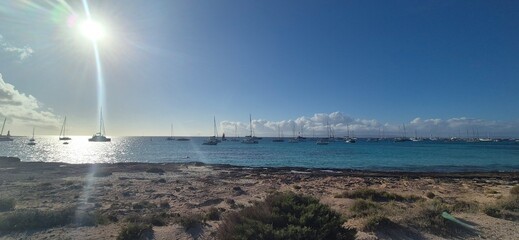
<point x="193" y="188"/>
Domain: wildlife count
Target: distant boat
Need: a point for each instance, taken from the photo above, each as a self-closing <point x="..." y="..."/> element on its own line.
<point x="250" y="139"/>
<point x="236" y="138"/>
<point x="6" y="137"/>
<point x="32" y="141"/>
<point x="279" y="138"/>
<point x="183" y="139"/>
<point x="100" y="136"/>
<point x="62" y="135"/>
<point x="349" y="139"/>
<point x="403" y="138"/>
<point x="322" y="141"/>
<point x="171" y="137"/>
<point x="212" y="140"/>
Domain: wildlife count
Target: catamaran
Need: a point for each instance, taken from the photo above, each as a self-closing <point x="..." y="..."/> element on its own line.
<point x="6" y="137"/>
<point x="62" y="135"/>
<point x="100" y="136"/>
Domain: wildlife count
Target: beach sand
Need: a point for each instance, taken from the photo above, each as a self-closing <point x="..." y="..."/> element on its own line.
<point x="195" y="188"/>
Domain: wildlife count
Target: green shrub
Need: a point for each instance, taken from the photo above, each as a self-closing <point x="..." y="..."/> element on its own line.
<point x="373" y="222"/>
<point x="7" y="204"/>
<point x="213" y="214"/>
<point x="362" y="208"/>
<point x="136" y="231"/>
<point x="190" y="221"/>
<point x="427" y="215"/>
<point x="28" y="219"/>
<point x="377" y="196"/>
<point x="284" y="216"/>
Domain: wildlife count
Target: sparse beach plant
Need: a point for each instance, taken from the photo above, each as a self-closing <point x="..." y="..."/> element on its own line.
<point x="155" y="170"/>
<point x="7" y="204"/>
<point x="190" y="221"/>
<point x="514" y="190"/>
<point x="213" y="214"/>
<point x="143" y="205"/>
<point x="29" y="219"/>
<point x="285" y="216"/>
<point x="374" y="222"/>
<point x="377" y="196"/>
<point x="136" y="231"/>
<point x="102" y="173"/>
<point x="363" y="208"/>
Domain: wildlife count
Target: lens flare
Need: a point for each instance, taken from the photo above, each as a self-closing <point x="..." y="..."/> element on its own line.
<point x="92" y="30"/>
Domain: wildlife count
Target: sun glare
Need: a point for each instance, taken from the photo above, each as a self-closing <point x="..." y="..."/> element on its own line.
<point x="92" y="30"/>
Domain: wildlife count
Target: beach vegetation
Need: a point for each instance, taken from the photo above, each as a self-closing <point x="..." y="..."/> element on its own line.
<point x="514" y="190"/>
<point x="190" y="221"/>
<point x="427" y="215"/>
<point x="155" y="219"/>
<point x="430" y="195"/>
<point x="102" y="173"/>
<point x="377" y="196"/>
<point x="374" y="222"/>
<point x="285" y="216"/>
<point x="29" y="219"/>
<point x="505" y="208"/>
<point x="7" y="204"/>
<point x="136" y="231"/>
<point x="164" y="204"/>
<point x="143" y="205"/>
<point x="213" y="214"/>
<point x="363" y="208"/>
<point x="155" y="170"/>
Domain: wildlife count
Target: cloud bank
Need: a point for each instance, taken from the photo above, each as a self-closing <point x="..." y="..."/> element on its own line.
<point x="23" y="109"/>
<point x="19" y="52"/>
<point x="318" y="125"/>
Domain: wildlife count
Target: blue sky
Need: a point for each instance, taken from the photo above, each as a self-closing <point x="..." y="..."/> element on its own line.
<point x="440" y="67"/>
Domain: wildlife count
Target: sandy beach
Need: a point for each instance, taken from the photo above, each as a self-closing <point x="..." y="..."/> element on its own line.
<point x="176" y="191"/>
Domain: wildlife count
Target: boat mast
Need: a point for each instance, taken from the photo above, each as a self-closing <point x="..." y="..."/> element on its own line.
<point x="3" y="125"/>
<point x="214" y="129"/>
<point x="64" y="124"/>
<point x="250" y="123"/>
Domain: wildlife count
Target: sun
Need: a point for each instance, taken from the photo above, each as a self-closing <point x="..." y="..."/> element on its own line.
<point x="92" y="30"/>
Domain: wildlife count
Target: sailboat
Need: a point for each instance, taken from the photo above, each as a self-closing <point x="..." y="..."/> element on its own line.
<point x="326" y="140"/>
<point x="279" y="138"/>
<point x="250" y="139"/>
<point x="349" y="139"/>
<point x="100" y="136"/>
<point x="171" y="137"/>
<point x="6" y="137"/>
<point x="403" y="138"/>
<point x="212" y="140"/>
<point x="235" y="139"/>
<point x="62" y="135"/>
<point x="32" y="141"/>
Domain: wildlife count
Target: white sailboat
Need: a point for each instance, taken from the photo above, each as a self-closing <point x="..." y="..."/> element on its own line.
<point x="250" y="139"/>
<point x="170" y="138"/>
<point x="32" y="141"/>
<point x="62" y="135"/>
<point x="6" y="137"/>
<point x="212" y="140"/>
<point x="100" y="136"/>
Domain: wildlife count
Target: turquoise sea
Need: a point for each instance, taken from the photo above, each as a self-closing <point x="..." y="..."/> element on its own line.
<point x="363" y="155"/>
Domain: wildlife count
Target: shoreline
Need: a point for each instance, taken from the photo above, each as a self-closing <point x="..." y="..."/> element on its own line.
<point x="294" y="170"/>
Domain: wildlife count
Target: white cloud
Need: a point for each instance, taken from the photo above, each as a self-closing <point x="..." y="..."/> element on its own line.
<point x="340" y="123"/>
<point x="23" y="109"/>
<point x="20" y="52"/>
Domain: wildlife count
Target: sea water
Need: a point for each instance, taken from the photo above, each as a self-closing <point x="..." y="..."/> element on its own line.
<point x="363" y="155"/>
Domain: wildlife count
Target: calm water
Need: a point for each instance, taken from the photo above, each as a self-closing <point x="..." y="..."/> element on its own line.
<point x="383" y="155"/>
